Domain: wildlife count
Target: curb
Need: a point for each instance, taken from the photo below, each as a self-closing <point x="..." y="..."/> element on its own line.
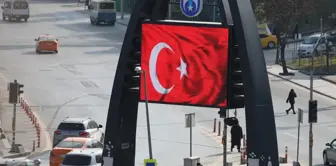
<point x="330" y="81"/>
<point x="17" y="155"/>
<point x="288" y="80"/>
<point x="36" y="154"/>
<point x="121" y="23"/>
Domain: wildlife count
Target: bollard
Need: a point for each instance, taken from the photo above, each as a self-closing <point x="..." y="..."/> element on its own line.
<point x="214" y="128"/>
<point x="27" y="107"/>
<point x="38" y="132"/>
<point x="38" y="142"/>
<point x="33" y="146"/>
<point x="34" y="121"/>
<point x="26" y="111"/>
<point x="286" y="155"/>
<point x="219" y="128"/>
<point x="243" y="155"/>
<point x="22" y="103"/>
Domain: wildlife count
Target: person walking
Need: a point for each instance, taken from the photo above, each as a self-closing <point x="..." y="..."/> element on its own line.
<point x="291" y="99"/>
<point x="236" y="136"/>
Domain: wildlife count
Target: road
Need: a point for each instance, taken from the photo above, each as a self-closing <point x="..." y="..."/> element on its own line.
<point x="77" y="82"/>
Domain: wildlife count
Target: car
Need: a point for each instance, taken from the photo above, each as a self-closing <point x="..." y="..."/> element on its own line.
<point x="67" y="145"/>
<point x="20" y="162"/>
<point x="46" y="43"/>
<point x="88" y="157"/>
<point x="268" y="40"/>
<point x="329" y="153"/>
<point x="78" y="127"/>
<point x="306" y="47"/>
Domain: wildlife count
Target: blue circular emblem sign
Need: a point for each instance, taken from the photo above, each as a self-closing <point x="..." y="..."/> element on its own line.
<point x="191" y="8"/>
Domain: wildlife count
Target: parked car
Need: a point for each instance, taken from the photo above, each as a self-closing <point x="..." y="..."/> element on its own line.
<point x="67" y="145"/>
<point x="88" y="157"/>
<point x="78" y="127"/>
<point x="306" y="47"/>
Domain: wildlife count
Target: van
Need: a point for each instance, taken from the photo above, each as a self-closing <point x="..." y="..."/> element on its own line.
<point x="88" y="157"/>
<point x="15" y="10"/>
<point x="102" y="11"/>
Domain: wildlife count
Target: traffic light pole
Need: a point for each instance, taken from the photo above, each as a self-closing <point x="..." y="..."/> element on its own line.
<point x="310" y="123"/>
<point x="13" y="128"/>
<point x="225" y="140"/>
<point x="14" y="91"/>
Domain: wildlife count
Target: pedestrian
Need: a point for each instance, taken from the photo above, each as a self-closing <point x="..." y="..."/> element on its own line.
<point x="291" y="99"/>
<point x="236" y="136"/>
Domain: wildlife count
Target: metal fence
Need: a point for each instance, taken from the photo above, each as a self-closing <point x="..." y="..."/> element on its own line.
<point x="324" y="60"/>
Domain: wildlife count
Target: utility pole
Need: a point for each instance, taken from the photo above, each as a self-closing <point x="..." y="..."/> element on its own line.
<point x="122" y="9"/>
<point x="14" y="92"/>
<point x="313" y="120"/>
<point x="225" y="140"/>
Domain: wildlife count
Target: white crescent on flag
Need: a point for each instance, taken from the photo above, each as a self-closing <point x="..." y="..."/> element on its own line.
<point x="152" y="67"/>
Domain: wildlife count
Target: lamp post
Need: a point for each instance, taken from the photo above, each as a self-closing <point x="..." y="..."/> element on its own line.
<point x="139" y="70"/>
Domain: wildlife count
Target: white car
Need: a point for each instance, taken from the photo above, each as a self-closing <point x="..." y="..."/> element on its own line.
<point x="88" y="157"/>
<point x="78" y="127"/>
<point x="306" y="48"/>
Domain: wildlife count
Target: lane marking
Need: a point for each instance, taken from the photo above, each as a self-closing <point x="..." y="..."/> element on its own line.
<point x="48" y="143"/>
<point x="294" y="136"/>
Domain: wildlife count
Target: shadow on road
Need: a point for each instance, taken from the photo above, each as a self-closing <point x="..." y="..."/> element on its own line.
<point x="221" y="154"/>
<point x="109" y="51"/>
<point x="306" y="125"/>
<point x="12" y="22"/>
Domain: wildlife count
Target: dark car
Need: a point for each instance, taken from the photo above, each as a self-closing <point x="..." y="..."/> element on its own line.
<point x="329" y="153"/>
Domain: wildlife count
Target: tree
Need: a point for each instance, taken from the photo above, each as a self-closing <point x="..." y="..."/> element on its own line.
<point x="284" y="14"/>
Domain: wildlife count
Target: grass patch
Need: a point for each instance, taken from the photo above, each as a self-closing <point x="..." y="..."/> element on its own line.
<point x="306" y="62"/>
<point x="320" y="64"/>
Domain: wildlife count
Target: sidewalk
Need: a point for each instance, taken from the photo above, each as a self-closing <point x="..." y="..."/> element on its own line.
<point x="320" y="86"/>
<point x="232" y="157"/>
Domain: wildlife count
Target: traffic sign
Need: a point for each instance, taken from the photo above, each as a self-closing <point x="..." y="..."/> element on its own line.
<point x="191" y="8"/>
<point x="150" y="162"/>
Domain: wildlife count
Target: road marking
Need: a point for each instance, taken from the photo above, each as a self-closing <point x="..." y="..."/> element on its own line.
<point x="48" y="144"/>
<point x="3" y="78"/>
<point x="291" y="135"/>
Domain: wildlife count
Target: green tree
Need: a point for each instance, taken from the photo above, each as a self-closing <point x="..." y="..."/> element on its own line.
<point x="284" y="14"/>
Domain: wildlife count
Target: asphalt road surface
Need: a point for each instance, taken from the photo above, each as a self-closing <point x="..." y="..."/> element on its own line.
<point x="77" y="82"/>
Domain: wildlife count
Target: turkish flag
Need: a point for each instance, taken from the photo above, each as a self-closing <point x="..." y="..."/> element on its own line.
<point x="184" y="64"/>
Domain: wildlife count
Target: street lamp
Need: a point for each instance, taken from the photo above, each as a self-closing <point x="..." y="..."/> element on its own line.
<point x="139" y="70"/>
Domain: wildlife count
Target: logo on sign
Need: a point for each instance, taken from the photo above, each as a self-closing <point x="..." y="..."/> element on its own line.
<point x="191" y="8"/>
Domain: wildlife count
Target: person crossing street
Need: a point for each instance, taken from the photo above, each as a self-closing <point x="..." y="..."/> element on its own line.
<point x="291" y="99"/>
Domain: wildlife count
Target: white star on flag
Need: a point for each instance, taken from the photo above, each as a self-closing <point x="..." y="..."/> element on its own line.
<point x="182" y="68"/>
<point x="190" y="8"/>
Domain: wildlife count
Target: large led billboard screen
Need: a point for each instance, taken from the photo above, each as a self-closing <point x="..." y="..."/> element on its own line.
<point x="185" y="64"/>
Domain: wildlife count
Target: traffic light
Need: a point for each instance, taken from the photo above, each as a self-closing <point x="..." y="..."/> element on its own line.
<point x="235" y="77"/>
<point x="222" y="113"/>
<point x="20" y="91"/>
<point x="312" y="114"/>
<point x="14" y="91"/>
<point x="132" y="77"/>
